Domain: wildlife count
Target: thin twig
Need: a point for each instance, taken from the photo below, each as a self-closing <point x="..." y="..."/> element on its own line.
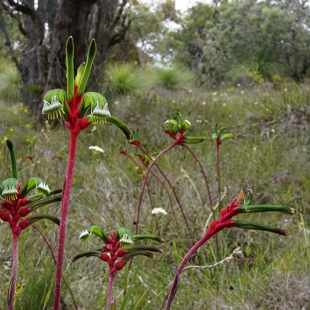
<point x="237" y="252"/>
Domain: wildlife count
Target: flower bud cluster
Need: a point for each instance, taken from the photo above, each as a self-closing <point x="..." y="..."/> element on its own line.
<point x="113" y="252"/>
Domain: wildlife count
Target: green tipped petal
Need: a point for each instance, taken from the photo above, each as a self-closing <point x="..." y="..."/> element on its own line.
<point x="248" y="225"/>
<point x="265" y="208"/>
<point x="193" y="140"/>
<point x="9" y="189"/>
<point x="126" y="239"/>
<point x="122" y="126"/>
<point x="147" y="237"/>
<point x="227" y="136"/>
<point x="86" y="254"/>
<point x="124" y="235"/>
<point x="95" y="230"/>
<point x="89" y="62"/>
<point x="55" y="104"/>
<point x="37" y="183"/>
<point x="141" y="250"/>
<point x="98" y="105"/>
<point x="13" y="158"/>
<point x="70" y="67"/>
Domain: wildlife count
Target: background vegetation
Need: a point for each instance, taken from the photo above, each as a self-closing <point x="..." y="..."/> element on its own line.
<point x="269" y="154"/>
<point x="241" y="64"/>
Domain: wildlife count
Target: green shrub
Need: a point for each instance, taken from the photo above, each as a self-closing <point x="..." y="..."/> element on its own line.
<point x="174" y="77"/>
<point x="123" y="79"/>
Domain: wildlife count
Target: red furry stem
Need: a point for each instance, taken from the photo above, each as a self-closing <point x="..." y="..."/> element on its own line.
<point x="203" y="174"/>
<point x="210" y="233"/>
<point x="63" y="219"/>
<point x="110" y="289"/>
<point x="218" y="144"/>
<point x="14" y="272"/>
<point x="175" y="143"/>
<point x="54" y="259"/>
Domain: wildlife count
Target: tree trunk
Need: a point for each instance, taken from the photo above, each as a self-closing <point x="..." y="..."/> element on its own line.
<point x="46" y="29"/>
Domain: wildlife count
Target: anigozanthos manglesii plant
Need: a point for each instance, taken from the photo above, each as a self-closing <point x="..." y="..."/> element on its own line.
<point x="177" y="129"/>
<point x="16" y="203"/>
<point x="78" y="110"/>
<point x="117" y="250"/>
<point x="225" y="221"/>
<point x="75" y="107"/>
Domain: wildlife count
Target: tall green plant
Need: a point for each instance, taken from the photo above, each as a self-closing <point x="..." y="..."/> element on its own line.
<point x="78" y="110"/>
<point x="16" y="203"/>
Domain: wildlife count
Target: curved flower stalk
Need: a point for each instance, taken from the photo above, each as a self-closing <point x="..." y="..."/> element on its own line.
<point x="117" y="250"/>
<point x="16" y="203"/>
<point x="177" y="129"/>
<point x="225" y="221"/>
<point x="219" y="136"/>
<point x="145" y="160"/>
<point x="78" y="110"/>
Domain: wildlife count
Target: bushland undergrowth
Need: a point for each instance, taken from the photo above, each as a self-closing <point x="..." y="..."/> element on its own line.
<point x="269" y="154"/>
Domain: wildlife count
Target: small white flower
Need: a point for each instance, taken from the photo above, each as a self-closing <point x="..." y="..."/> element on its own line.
<point x="96" y="148"/>
<point x="159" y="211"/>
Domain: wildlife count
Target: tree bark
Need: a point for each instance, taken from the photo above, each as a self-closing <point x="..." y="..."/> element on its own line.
<point x="46" y="28"/>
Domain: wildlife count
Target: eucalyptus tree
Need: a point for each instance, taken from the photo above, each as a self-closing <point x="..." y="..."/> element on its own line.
<point x="45" y="25"/>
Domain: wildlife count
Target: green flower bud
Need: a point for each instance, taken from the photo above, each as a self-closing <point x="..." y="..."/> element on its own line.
<point x="9" y="189"/>
<point x="54" y="104"/>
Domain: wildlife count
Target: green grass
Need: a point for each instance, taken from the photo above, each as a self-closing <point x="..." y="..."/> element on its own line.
<point x="270" y="154"/>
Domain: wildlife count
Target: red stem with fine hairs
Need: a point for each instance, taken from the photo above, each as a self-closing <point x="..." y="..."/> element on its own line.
<point x="63" y="219"/>
<point x="14" y="272"/>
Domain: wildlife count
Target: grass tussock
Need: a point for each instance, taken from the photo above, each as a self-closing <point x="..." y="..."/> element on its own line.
<point x="269" y="154"/>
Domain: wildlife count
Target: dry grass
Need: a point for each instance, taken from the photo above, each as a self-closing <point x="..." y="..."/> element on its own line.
<point x="269" y="154"/>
